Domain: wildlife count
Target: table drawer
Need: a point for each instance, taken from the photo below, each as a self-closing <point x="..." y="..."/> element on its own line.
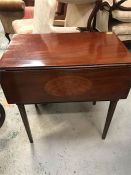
<point x="64" y="85"/>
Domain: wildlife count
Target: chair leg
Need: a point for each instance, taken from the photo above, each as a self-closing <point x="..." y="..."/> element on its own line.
<point x="110" y="113"/>
<point x="7" y="36"/>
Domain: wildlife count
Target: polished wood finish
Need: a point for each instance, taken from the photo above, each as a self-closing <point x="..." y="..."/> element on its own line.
<point x="64" y="50"/>
<point x="63" y="68"/>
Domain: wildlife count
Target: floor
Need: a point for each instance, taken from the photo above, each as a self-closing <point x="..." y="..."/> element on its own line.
<point x="67" y="139"/>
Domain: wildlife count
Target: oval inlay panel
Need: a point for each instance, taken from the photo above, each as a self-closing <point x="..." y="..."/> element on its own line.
<point x="67" y="86"/>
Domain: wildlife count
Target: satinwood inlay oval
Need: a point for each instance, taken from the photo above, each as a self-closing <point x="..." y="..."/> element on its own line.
<point x="68" y="86"/>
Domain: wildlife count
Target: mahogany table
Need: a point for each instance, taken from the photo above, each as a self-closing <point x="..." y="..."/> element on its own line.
<point x="65" y="68"/>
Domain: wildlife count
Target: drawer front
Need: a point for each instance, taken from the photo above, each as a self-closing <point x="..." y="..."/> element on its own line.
<point x="65" y="85"/>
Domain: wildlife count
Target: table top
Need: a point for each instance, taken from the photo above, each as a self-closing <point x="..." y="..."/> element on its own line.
<point x="35" y="51"/>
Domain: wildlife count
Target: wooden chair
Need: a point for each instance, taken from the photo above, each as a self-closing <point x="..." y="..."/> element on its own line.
<point x="116" y="19"/>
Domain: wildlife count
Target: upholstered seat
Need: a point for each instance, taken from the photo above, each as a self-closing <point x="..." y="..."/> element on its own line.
<point x="23" y="26"/>
<point x="123" y="31"/>
<point x="123" y="14"/>
<point x="120" y="15"/>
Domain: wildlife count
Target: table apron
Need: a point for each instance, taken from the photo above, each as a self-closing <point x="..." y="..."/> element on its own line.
<point x="65" y="85"/>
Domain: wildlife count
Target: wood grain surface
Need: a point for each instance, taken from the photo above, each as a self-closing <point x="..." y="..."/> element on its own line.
<point x="64" y="50"/>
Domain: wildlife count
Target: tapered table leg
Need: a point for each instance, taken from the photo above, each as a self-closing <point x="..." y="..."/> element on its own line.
<point x="94" y="102"/>
<point x="36" y="105"/>
<point x="25" y="121"/>
<point x="110" y="113"/>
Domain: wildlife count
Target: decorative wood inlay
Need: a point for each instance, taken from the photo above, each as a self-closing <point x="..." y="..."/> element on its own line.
<point x="68" y="86"/>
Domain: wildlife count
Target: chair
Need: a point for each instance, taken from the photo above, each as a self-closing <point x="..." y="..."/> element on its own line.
<point x="117" y="19"/>
<point x="121" y="13"/>
<point x="25" y="25"/>
<point x="11" y="10"/>
<point x="102" y="17"/>
<point x="80" y="13"/>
